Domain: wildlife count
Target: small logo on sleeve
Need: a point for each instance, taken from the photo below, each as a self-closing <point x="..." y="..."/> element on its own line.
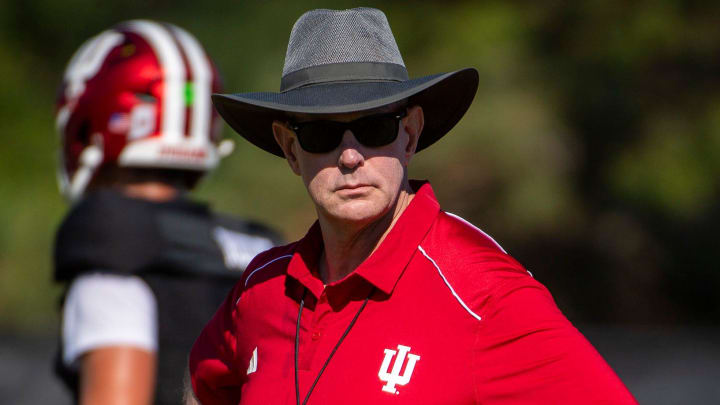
<point x="397" y="376"/>
<point x="252" y="367"/>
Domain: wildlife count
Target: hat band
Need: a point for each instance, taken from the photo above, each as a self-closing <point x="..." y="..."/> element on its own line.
<point x="343" y="72"/>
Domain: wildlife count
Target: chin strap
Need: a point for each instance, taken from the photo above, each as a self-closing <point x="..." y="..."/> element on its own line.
<point x="90" y="159"/>
<point x="226" y="147"/>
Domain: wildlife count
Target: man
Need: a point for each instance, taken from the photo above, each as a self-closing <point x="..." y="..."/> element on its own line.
<point x="387" y="299"/>
<point x="144" y="267"/>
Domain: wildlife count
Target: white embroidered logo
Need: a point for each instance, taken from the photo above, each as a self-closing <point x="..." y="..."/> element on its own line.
<point x="394" y="377"/>
<point x="252" y="367"/>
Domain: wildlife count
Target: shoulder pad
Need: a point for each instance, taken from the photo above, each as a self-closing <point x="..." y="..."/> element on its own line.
<point x="249" y="227"/>
<point x="105" y="231"/>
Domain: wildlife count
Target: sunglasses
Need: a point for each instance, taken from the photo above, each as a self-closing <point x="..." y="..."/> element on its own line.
<point x="323" y="136"/>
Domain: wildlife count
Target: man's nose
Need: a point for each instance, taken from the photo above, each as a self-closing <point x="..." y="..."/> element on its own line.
<point x="350" y="151"/>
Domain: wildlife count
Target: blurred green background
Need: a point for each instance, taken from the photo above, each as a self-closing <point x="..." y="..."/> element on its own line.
<point x="591" y="152"/>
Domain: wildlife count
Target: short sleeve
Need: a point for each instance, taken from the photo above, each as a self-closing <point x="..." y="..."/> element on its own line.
<point x="528" y="352"/>
<point x="108" y="310"/>
<point x="212" y="366"/>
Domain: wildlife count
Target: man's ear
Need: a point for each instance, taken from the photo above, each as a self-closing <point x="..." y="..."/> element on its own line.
<point x="287" y="141"/>
<point x="413" y="124"/>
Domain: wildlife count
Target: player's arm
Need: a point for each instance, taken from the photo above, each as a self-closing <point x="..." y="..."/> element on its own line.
<point x="110" y="338"/>
<point x="117" y="375"/>
<point x="528" y="352"/>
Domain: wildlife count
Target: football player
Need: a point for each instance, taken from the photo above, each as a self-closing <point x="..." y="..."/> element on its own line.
<point x="144" y="266"/>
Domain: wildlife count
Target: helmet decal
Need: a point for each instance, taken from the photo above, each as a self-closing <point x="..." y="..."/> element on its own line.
<point x="142" y="121"/>
<point x="119" y="123"/>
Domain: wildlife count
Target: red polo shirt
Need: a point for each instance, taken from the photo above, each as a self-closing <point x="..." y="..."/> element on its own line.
<point x="452" y="319"/>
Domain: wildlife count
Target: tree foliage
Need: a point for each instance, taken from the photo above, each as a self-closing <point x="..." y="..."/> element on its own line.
<point x="591" y="151"/>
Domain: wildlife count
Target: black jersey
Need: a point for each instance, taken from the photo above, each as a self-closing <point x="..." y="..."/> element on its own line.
<point x="188" y="255"/>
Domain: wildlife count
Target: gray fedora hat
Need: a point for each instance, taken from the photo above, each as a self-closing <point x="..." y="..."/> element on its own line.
<point x="347" y="61"/>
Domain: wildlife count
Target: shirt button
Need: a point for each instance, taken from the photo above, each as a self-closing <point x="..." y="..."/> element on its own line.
<point x="316" y="335"/>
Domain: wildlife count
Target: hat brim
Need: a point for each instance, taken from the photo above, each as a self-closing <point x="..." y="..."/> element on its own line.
<point x="444" y="99"/>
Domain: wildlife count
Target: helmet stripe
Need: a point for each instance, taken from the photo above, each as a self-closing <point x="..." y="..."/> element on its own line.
<point x="173" y="117"/>
<point x="202" y="82"/>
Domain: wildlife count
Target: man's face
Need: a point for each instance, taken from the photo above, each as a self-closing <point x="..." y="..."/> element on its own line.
<point x="353" y="182"/>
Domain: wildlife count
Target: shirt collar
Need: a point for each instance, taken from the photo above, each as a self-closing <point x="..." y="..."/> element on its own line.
<point x="385" y="266"/>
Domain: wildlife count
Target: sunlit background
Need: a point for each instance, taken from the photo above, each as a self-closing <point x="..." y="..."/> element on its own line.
<point x="591" y="153"/>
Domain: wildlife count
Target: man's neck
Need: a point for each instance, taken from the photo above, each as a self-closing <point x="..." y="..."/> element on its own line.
<point x="347" y="246"/>
<point x="151" y="190"/>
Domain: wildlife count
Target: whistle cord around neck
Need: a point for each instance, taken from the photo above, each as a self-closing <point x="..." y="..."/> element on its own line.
<point x="297" y="347"/>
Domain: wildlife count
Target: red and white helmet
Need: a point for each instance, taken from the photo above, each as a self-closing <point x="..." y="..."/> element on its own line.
<point x="137" y="95"/>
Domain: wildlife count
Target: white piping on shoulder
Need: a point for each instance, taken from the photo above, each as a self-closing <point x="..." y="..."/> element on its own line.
<point x="263" y="266"/>
<point x="463" y="220"/>
<point x="447" y="283"/>
<point x="260" y="268"/>
<point x="477" y="229"/>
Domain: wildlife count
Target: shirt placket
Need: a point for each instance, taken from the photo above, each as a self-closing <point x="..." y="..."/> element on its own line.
<point x="332" y="315"/>
<point x="315" y="327"/>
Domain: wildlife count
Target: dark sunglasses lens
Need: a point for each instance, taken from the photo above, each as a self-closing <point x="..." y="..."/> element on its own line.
<point x="320" y="136"/>
<point x="376" y="131"/>
<point x="325" y="136"/>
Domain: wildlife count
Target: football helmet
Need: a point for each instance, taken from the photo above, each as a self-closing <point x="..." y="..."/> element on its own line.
<point x="137" y="95"/>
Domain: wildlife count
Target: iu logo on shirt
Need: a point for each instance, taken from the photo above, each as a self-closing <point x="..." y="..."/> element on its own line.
<point x="397" y="376"/>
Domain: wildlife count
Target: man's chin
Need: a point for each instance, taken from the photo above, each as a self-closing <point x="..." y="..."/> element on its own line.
<point x="358" y="212"/>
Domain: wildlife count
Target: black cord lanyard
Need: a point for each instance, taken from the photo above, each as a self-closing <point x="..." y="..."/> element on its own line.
<point x="297" y="347"/>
